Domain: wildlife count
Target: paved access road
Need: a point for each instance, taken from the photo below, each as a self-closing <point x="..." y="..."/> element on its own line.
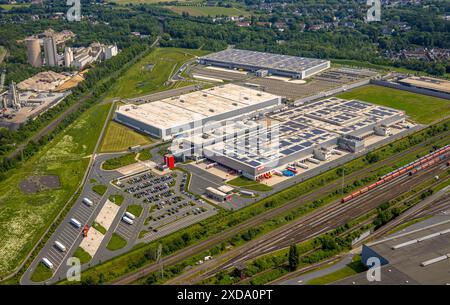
<point x="71" y="237"/>
<point x="303" y="279"/>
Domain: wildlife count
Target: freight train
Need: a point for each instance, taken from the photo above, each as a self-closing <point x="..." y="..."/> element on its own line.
<point x="411" y="168"/>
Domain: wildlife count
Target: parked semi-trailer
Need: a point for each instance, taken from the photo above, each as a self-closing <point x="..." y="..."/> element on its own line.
<point x="88" y="202"/>
<point x="75" y="222"/>
<point x="129" y="215"/>
<point x="60" y="246"/>
<point x="292" y="169"/>
<point x="127" y="220"/>
<point x="301" y="165"/>
<point x="312" y="160"/>
<point x="247" y="193"/>
<point x="47" y="262"/>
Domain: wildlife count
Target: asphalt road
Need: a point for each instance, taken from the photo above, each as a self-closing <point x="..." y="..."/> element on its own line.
<point x="204" y="245"/>
<point x="318" y="222"/>
<point x="303" y="279"/>
<point x="71" y="237"/>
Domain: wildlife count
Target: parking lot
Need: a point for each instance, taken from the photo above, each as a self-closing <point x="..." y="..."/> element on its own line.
<point x="68" y="234"/>
<point x="324" y="81"/>
<point x="218" y="73"/>
<point x="166" y="205"/>
<point x="160" y="196"/>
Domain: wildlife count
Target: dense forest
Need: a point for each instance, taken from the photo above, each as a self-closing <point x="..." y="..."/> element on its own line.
<point x="106" y="24"/>
<point x="357" y="41"/>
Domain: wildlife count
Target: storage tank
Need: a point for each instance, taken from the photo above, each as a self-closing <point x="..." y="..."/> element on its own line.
<point x="34" y="52"/>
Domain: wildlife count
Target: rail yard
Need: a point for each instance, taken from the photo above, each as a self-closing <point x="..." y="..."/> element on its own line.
<point x="271" y="214"/>
<point x="331" y="216"/>
<point x="244" y="171"/>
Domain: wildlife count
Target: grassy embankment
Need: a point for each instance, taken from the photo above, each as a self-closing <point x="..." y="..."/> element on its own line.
<point x="141" y="79"/>
<point x="25" y="217"/>
<point x="421" y="108"/>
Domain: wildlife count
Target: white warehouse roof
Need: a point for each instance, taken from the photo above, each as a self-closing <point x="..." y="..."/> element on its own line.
<point x="185" y="109"/>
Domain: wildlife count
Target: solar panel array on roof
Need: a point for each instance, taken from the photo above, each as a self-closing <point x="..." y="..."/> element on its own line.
<point x="338" y="115"/>
<point x="302" y="128"/>
<point x="248" y="150"/>
<point x="265" y="60"/>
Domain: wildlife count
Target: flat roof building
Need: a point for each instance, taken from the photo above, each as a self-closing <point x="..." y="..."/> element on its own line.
<point x="419" y="256"/>
<point x="430" y="83"/>
<point x="301" y="130"/>
<point x="216" y="194"/>
<point x="276" y="64"/>
<point x="256" y="148"/>
<point x="170" y="116"/>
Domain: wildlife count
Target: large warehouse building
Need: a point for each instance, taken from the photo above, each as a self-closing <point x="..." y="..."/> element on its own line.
<point x="168" y="117"/>
<point x="429" y="83"/>
<point x="309" y="131"/>
<point x="275" y="64"/>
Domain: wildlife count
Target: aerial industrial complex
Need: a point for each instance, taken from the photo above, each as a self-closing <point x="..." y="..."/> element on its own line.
<point x="73" y="57"/>
<point x="35" y="95"/>
<point x="261" y="131"/>
<point x="259" y="148"/>
<point x="250" y="132"/>
<point x="170" y="116"/>
<point x="266" y="63"/>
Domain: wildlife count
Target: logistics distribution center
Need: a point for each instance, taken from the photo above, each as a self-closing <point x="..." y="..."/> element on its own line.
<point x="266" y="63"/>
<point x="304" y="133"/>
<point x="170" y="116"/>
<point x="251" y="133"/>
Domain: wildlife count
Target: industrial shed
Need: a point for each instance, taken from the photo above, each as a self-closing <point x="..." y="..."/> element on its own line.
<point x="275" y="64"/>
<point x="171" y="116"/>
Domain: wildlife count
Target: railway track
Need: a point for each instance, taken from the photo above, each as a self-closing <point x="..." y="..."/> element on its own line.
<point x="438" y="207"/>
<point x="313" y="225"/>
<point x="414" y="212"/>
<point x="272" y="213"/>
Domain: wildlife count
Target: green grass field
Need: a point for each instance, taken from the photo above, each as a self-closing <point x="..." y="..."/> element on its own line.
<point x="353" y="268"/>
<point x="208" y="10"/>
<point x="116" y="242"/>
<point x="41" y="273"/>
<point x="2" y="53"/>
<point x="249" y="184"/>
<point x="135" y="209"/>
<point x="9" y="7"/>
<point x="140" y="79"/>
<point x="82" y="255"/>
<point x="100" y="189"/>
<point x="24" y="217"/>
<point x="117" y="199"/>
<point x="119" y="138"/>
<point x="421" y="108"/>
<point x="99" y="228"/>
<point x="118" y="162"/>
<point x="151" y="1"/>
<point x="145" y="155"/>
